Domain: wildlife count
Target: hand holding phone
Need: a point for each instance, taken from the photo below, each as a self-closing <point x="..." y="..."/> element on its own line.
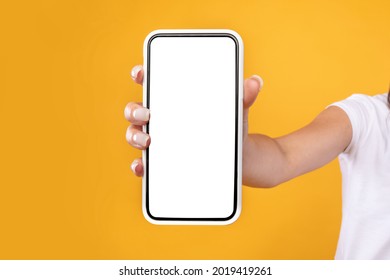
<point x="213" y="196"/>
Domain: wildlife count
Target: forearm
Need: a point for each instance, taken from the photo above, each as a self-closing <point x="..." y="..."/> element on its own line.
<point x="268" y="162"/>
<point x="264" y="162"/>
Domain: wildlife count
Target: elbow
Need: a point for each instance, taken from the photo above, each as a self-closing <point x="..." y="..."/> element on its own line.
<point x="266" y="181"/>
<point x="266" y="184"/>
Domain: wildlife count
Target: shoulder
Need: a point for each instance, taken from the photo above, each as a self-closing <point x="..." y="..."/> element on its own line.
<point x="363" y="107"/>
<point x="366" y="113"/>
<point x="364" y="101"/>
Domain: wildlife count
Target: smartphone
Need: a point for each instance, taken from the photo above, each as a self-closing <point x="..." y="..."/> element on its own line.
<point x="193" y="87"/>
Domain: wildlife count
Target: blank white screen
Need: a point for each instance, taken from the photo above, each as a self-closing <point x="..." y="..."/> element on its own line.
<point x="192" y="127"/>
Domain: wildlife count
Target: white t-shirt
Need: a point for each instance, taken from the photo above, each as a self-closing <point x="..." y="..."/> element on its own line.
<point x="365" y="168"/>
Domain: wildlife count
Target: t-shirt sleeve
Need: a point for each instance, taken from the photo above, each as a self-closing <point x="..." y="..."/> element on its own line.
<point x="359" y="108"/>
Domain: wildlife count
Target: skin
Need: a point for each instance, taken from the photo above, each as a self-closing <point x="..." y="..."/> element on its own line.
<point x="291" y="155"/>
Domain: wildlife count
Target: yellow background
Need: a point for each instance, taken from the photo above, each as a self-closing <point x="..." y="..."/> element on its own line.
<point x="66" y="190"/>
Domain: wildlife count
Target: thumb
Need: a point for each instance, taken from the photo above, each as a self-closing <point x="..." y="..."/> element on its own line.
<point x="252" y="87"/>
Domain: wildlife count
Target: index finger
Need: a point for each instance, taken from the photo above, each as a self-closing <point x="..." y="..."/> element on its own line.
<point x="137" y="74"/>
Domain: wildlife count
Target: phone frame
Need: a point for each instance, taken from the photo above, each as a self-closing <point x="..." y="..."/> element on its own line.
<point x="238" y="125"/>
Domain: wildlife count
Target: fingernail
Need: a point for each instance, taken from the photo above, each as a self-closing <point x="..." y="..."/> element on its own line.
<point x="134" y="165"/>
<point x="141" y="114"/>
<point x="127" y="112"/>
<point x="134" y="71"/>
<point x="140" y="138"/>
<point x="259" y="80"/>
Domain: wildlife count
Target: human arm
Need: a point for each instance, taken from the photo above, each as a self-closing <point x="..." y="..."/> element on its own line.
<point x="267" y="161"/>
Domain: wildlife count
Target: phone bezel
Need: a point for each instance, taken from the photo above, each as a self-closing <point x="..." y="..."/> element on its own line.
<point x="238" y="123"/>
